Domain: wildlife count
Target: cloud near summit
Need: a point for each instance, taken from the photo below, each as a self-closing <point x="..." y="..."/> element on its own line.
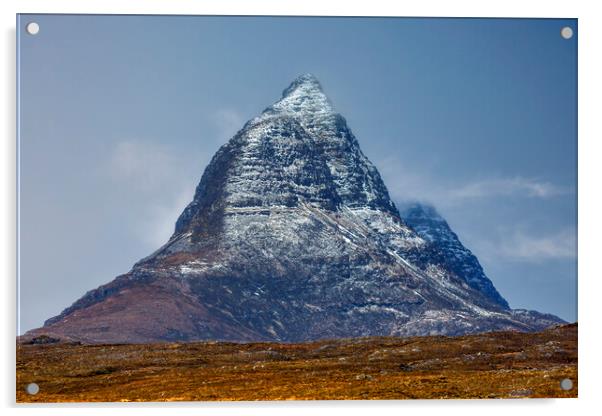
<point x="409" y="184"/>
<point x="516" y="186"/>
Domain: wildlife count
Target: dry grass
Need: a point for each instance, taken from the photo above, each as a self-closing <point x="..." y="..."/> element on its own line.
<point x="492" y="365"/>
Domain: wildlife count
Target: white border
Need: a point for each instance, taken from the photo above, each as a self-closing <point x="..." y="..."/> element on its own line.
<point x="590" y="135"/>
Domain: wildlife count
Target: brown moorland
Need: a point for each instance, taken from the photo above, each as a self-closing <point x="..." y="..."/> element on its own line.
<point x="489" y="365"/>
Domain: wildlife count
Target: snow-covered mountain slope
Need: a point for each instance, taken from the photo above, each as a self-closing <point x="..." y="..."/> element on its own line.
<point x="291" y="236"/>
<point x="450" y="253"/>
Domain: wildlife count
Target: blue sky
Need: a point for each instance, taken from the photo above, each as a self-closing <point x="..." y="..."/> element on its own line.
<point x="121" y="114"/>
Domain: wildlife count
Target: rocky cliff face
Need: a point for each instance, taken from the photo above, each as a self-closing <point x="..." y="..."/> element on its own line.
<point x="447" y="250"/>
<point x="291" y="236"/>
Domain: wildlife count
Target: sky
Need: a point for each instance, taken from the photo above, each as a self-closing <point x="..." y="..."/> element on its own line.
<point x="119" y="116"/>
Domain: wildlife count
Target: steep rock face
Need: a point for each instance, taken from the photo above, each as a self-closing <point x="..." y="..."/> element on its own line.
<point x="450" y="253"/>
<point x="291" y="236"/>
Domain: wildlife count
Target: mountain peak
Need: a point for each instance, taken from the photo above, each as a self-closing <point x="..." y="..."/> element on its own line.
<point x="432" y="227"/>
<point x="303" y="97"/>
<point x="308" y="82"/>
<point x="419" y="211"/>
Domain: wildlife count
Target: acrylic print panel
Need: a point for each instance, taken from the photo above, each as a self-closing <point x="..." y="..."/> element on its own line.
<point x="269" y="208"/>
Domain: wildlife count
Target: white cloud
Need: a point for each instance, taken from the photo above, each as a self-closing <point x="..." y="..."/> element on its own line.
<point x="517" y="245"/>
<point x="414" y="183"/>
<point x="521" y="246"/>
<point x="158" y="223"/>
<point x="517" y="186"/>
<point x="404" y="182"/>
<point x="228" y="122"/>
<point x="154" y="185"/>
<point x="143" y="165"/>
<point x="511" y="242"/>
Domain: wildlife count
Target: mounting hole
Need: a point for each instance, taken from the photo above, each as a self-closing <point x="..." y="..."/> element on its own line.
<point x="32" y="28"/>
<point x="32" y="388"/>
<point x="566" y="384"/>
<point x="566" y="32"/>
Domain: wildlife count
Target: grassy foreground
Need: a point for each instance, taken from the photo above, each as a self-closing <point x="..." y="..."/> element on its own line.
<point x="491" y="365"/>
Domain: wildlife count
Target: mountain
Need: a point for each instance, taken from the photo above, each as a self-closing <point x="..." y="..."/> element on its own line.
<point x="292" y="236"/>
<point x="447" y="249"/>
